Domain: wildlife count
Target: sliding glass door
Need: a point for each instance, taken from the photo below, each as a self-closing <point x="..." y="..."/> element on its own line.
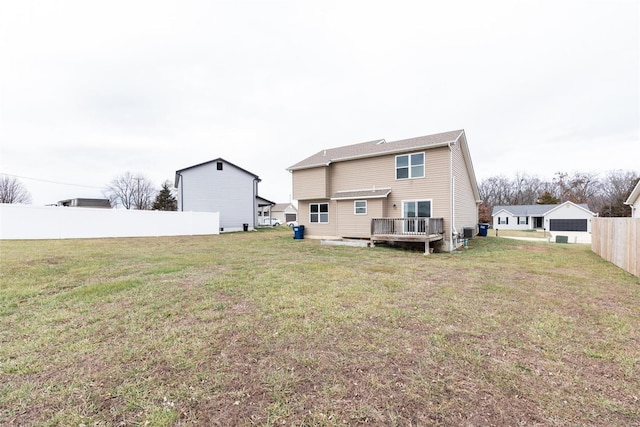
<point x="416" y="209"/>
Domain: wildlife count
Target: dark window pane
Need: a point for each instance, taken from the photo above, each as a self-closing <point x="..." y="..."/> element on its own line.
<point x="402" y="173"/>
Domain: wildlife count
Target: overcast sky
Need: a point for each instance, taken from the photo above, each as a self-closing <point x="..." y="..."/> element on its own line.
<point x="92" y="89"/>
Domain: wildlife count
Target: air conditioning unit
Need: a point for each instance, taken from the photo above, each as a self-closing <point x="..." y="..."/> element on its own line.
<point x="467" y="232"/>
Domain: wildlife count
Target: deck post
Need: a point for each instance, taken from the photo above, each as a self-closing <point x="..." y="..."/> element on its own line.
<point x="426" y="247"/>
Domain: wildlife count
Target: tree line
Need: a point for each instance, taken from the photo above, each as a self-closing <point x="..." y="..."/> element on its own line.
<point x="605" y="195"/>
<point x="135" y="191"/>
<point x="129" y="190"/>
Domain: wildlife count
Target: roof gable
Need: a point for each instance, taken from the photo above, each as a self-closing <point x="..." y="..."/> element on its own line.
<point x="378" y="147"/>
<point x="534" y="210"/>
<point x="219" y="159"/>
<point x="582" y="206"/>
<point x="281" y="207"/>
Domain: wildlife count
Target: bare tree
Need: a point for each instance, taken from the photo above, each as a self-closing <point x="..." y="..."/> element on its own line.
<point x="13" y="191"/>
<point x="499" y="190"/>
<point x="495" y="190"/>
<point x="580" y="187"/>
<point x="614" y="191"/>
<point x="526" y="189"/>
<point x="605" y="196"/>
<point x="131" y="191"/>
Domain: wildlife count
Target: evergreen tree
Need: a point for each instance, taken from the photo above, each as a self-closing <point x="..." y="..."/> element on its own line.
<point x="165" y="201"/>
<point x="547" y="198"/>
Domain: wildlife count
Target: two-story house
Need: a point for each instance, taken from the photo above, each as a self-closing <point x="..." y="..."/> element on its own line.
<point x="343" y="192"/>
<point x="220" y="186"/>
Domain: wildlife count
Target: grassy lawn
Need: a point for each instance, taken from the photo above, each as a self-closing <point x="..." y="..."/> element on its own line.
<point x="260" y="329"/>
<point x="519" y="233"/>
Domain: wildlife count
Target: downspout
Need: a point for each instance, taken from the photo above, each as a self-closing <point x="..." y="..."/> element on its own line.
<point x="253" y="202"/>
<point x="254" y="210"/>
<point x="452" y="228"/>
<point x="181" y="192"/>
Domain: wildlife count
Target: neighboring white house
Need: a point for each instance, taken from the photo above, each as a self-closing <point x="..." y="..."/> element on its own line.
<point x="566" y="216"/>
<point x="283" y="212"/>
<point x="220" y="186"/>
<point x="634" y="201"/>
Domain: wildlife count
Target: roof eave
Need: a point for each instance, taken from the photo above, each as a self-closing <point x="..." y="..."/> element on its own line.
<point x="317" y="165"/>
<point x="635" y="193"/>
<point x="361" y="197"/>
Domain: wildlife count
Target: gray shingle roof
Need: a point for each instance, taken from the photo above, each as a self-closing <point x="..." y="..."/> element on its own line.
<point x="362" y="194"/>
<point x="530" y="210"/>
<point x="378" y="147"/>
<point x="281" y="207"/>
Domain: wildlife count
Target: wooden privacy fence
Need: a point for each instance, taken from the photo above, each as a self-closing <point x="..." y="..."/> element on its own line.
<point x="618" y="241"/>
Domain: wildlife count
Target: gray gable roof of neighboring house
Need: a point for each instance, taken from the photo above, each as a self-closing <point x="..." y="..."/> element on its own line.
<point x="531" y="210"/>
<point x="375" y="148"/>
<point x="219" y="159"/>
<point x="264" y="202"/>
<point x="281" y="207"/>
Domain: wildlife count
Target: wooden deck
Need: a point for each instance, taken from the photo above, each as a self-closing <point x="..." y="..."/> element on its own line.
<point x="407" y="230"/>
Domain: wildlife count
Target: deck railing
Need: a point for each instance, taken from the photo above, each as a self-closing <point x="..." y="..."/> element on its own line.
<point x="406" y="226"/>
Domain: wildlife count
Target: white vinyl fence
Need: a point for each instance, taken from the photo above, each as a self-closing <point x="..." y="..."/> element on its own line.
<point x="53" y="222"/>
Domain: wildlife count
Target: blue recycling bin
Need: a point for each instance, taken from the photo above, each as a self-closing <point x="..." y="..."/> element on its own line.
<point x="298" y="232"/>
<point x="482" y="230"/>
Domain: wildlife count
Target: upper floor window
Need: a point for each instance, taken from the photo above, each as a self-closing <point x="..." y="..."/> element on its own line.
<point x="219" y="166"/>
<point x="319" y="212"/>
<point x="410" y="166"/>
<point x="360" y="207"/>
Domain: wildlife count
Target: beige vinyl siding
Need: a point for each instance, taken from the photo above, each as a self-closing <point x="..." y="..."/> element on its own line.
<point x="379" y="172"/>
<point x="317" y="230"/>
<point x="358" y="226"/>
<point x="466" y="209"/>
<point x="310" y="183"/>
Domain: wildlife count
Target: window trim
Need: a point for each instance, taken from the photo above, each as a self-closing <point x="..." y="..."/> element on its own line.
<point x="410" y="166"/>
<point x="356" y="207"/>
<point x="319" y="213"/>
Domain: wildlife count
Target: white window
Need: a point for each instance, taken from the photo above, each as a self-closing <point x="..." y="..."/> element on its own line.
<point x="522" y="220"/>
<point x="360" y="207"/>
<point x="319" y="213"/>
<point x="410" y="166"/>
<point x="504" y="220"/>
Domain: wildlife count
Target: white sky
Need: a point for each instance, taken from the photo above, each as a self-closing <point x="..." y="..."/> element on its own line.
<point x="92" y="89"/>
